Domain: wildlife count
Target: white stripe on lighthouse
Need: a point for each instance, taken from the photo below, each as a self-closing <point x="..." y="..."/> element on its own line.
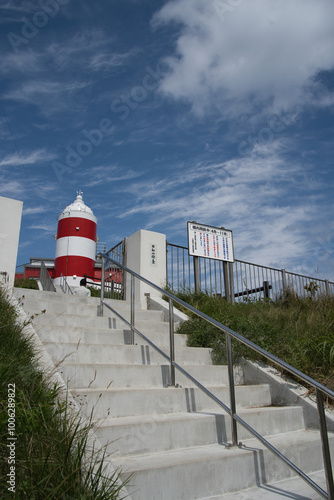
<point x="75" y="245"/>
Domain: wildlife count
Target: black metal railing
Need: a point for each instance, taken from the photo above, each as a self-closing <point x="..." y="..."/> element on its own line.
<point x="247" y="280"/>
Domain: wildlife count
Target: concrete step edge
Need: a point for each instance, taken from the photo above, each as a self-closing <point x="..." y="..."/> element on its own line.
<point x="212" y="451"/>
<point x="294" y="488"/>
<point x="166" y="417"/>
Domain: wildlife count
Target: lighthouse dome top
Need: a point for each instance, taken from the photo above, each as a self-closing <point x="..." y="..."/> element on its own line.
<point x="78" y="205"/>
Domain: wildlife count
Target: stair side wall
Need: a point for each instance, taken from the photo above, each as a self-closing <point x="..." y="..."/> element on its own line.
<point x="285" y="391"/>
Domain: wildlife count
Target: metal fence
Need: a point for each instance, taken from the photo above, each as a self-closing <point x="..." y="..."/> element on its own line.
<point x="247" y="281"/>
<point x="114" y="275"/>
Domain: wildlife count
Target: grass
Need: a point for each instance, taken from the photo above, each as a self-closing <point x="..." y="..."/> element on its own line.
<point x="26" y="283"/>
<point x="299" y="331"/>
<point x="51" y="457"/>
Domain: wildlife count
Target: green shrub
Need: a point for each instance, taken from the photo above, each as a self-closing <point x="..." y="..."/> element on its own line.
<point x="298" y="331"/>
<point x="26" y="283"/>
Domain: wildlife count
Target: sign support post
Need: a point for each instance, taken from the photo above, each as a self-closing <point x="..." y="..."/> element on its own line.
<point x="196" y="275"/>
<point x="226" y="281"/>
<point x="214" y="243"/>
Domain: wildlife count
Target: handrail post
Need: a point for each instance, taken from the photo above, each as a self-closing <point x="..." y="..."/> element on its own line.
<point x="171" y="342"/>
<point x="132" y="309"/>
<point x="103" y="275"/>
<point x="325" y="446"/>
<point x="232" y="391"/>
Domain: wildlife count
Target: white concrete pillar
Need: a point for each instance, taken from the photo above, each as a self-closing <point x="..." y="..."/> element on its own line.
<point x="146" y="255"/>
<point x="10" y="224"/>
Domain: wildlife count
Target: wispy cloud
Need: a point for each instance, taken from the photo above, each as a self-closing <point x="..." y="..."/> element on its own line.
<point x="106" y="61"/>
<point x="109" y="175"/>
<point x="34" y="157"/>
<point x="51" y="97"/>
<point x="43" y="227"/>
<point x="34" y="210"/>
<point x="252" y="195"/>
<point x="11" y="188"/>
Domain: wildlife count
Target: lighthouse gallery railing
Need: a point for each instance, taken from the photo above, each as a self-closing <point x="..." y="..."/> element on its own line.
<point x="320" y="389"/>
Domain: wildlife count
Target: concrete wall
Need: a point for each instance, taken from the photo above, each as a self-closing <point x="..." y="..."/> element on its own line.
<point x="10" y="223"/>
<point x="146" y="255"/>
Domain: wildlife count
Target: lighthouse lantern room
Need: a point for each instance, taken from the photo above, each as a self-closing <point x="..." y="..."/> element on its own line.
<point x="76" y="243"/>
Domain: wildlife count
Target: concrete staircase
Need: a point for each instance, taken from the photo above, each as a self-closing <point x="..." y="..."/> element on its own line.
<point x="173" y="440"/>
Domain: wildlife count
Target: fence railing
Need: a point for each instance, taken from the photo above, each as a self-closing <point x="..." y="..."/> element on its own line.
<point x="64" y="286"/>
<point x="114" y="274"/>
<point x="45" y="279"/>
<point x="320" y="390"/>
<point x="247" y="281"/>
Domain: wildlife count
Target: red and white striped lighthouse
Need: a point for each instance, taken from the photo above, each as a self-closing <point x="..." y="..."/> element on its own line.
<point x="76" y="243"/>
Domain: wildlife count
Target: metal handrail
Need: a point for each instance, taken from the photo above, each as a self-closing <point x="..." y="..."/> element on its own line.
<point x="319" y="388"/>
<point x="65" y="287"/>
<point x="45" y="279"/>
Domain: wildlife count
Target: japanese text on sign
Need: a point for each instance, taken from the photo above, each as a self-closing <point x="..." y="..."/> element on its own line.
<point x="210" y="242"/>
<point x="153" y="255"/>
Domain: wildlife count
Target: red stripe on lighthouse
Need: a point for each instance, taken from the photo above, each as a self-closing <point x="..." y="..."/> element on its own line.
<point x="70" y="265"/>
<point x="68" y="227"/>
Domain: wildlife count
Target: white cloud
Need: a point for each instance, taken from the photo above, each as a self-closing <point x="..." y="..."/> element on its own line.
<point x="11" y="188"/>
<point x="50" y="96"/>
<point x="34" y="210"/>
<point x="109" y="174"/>
<point x="37" y="156"/>
<point x="255" y="196"/>
<point x="43" y="227"/>
<point x="258" y="51"/>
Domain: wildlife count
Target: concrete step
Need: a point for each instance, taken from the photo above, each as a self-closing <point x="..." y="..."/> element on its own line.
<point x="81" y="375"/>
<point x="145" y="401"/>
<point x="146" y="326"/>
<point x="121" y="354"/>
<point x="204" y="471"/>
<point x="23" y="294"/>
<point x="91" y="335"/>
<point x="117" y="352"/>
<point x="157" y="433"/>
<point x="79" y="308"/>
<point x="294" y="488"/>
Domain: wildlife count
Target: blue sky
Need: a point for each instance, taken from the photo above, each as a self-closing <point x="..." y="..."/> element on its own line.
<point x="166" y="111"/>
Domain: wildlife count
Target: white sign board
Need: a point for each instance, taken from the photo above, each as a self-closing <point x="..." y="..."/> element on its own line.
<point x="210" y="242"/>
